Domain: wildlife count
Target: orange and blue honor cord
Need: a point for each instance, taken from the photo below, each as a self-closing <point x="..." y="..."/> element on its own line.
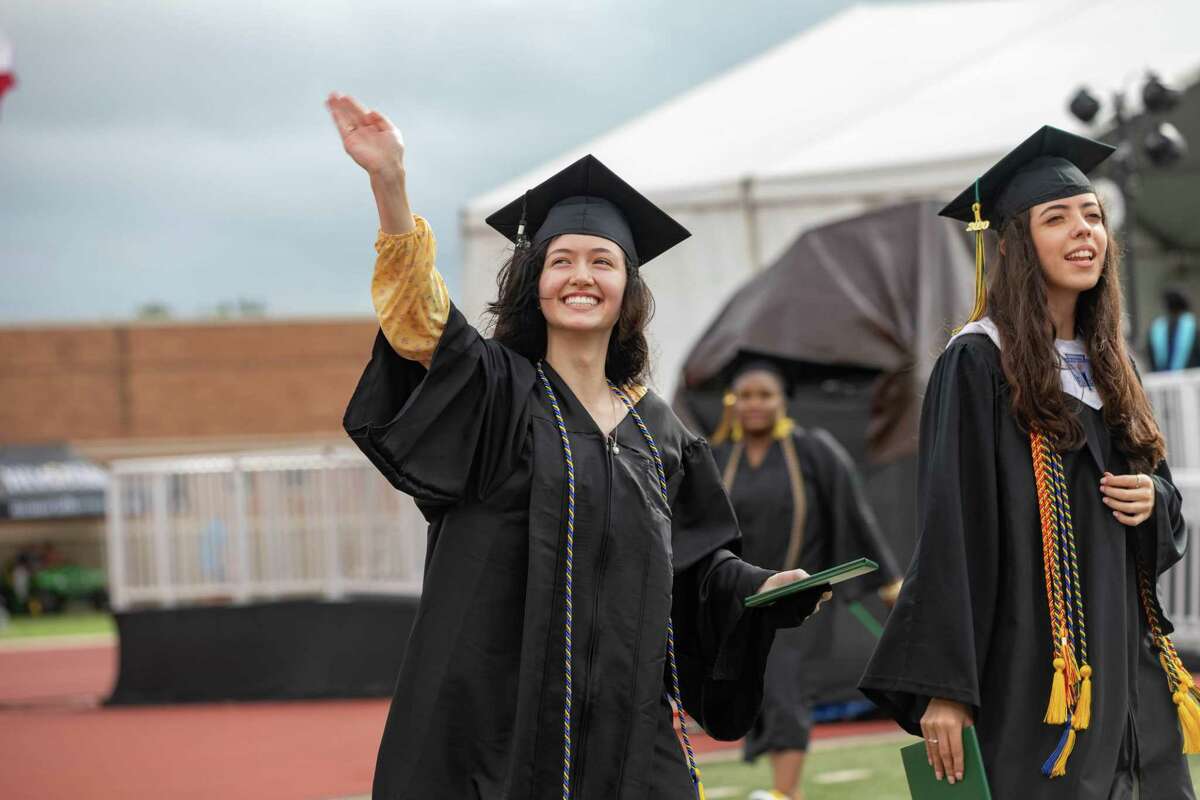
<point x="1070" y="701"/>
<point x="1071" y="684"/>
<point x="677" y="697"/>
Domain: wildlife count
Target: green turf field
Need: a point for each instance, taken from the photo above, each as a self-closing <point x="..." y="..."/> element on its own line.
<point x="865" y="771"/>
<point x="69" y="624"/>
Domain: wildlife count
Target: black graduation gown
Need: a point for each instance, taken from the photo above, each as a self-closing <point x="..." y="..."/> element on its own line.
<point x="971" y="623"/>
<point x="839" y="525"/>
<point x="477" y="710"/>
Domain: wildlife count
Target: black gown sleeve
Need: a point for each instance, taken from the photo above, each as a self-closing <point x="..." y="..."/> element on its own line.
<point x="449" y="433"/>
<point x="936" y="639"/>
<point x="721" y="647"/>
<point x="1163" y="536"/>
<point x="852" y="523"/>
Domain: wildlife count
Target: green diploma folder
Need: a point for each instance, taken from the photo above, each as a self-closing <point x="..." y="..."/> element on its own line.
<point x="842" y="572"/>
<point x="924" y="785"/>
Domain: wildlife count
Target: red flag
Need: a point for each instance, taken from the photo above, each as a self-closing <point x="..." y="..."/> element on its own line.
<point x="7" y="78"/>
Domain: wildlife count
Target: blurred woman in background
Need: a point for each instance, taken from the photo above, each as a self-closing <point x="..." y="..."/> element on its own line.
<point x="800" y="503"/>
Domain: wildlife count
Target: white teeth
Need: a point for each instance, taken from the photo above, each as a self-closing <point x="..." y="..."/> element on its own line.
<point x="1081" y="255"/>
<point x="581" y="300"/>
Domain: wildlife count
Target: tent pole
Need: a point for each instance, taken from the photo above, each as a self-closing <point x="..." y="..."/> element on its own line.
<point x="750" y="218"/>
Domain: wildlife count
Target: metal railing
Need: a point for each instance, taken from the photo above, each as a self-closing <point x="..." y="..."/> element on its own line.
<point x="1176" y="400"/>
<point x="238" y="528"/>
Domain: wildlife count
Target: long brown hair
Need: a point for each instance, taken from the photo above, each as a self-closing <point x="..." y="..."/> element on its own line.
<point x="518" y="322"/>
<point x="1017" y="304"/>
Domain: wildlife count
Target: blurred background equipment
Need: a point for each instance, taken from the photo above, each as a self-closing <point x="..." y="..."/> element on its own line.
<point x="1141" y="135"/>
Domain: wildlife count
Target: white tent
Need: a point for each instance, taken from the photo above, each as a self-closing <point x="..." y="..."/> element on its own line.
<point x="879" y="104"/>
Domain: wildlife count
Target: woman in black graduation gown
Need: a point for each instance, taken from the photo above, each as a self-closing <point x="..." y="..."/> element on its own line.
<point x="571" y="514"/>
<point x="1046" y="514"/>
<point x="799" y="502"/>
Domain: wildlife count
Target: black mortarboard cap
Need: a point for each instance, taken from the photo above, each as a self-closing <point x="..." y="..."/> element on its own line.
<point x="587" y="197"/>
<point x="1049" y="165"/>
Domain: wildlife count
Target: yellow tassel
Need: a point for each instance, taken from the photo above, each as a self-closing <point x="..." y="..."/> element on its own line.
<point x="1189" y="721"/>
<point x="1056" y="709"/>
<point x="1083" y="709"/>
<point x="978" y="227"/>
<point x="729" y="428"/>
<point x="700" y="786"/>
<point x="1060" y="765"/>
<point x="783" y="427"/>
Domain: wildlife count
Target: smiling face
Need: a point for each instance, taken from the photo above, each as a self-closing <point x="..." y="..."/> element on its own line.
<point x="759" y="401"/>
<point x="1071" y="241"/>
<point x="582" y="283"/>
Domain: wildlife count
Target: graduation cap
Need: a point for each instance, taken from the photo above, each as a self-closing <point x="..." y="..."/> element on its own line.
<point x="1050" y="165"/>
<point x="587" y="197"/>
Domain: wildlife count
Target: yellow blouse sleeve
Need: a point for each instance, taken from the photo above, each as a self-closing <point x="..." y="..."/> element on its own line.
<point x="410" y="297"/>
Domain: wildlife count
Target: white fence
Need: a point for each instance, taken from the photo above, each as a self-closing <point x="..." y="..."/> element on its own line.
<point x="219" y="529"/>
<point x="1176" y="400"/>
<point x="269" y="526"/>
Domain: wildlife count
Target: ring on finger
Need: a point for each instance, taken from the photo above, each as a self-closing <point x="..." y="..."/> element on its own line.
<point x="932" y="741"/>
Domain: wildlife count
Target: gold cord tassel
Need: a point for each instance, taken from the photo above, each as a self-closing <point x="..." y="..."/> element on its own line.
<point x="1056" y="709"/>
<point x="1060" y="764"/>
<point x="1082" y="717"/>
<point x="1189" y="720"/>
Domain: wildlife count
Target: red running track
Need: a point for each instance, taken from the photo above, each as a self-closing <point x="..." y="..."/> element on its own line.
<point x="56" y="741"/>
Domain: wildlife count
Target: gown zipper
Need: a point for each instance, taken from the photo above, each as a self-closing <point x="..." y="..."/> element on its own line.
<point x="611" y="449"/>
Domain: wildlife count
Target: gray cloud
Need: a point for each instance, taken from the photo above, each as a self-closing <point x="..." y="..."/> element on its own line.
<point x="180" y="152"/>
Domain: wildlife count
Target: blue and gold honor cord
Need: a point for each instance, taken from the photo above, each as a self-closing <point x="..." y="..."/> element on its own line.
<point x="676" y="696"/>
<point x="1070" y="703"/>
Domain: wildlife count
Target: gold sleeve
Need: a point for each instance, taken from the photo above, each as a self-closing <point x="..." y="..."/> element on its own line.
<point x="410" y="297"/>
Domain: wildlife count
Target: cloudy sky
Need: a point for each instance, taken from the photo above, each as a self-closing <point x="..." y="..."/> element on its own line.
<point x="179" y="153"/>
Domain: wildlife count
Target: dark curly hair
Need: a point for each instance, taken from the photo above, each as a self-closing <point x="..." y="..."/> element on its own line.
<point x="518" y="323"/>
<point x="1017" y="304"/>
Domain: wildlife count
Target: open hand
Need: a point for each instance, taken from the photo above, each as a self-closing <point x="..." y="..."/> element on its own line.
<point x="1130" y="497"/>
<point x="369" y="137"/>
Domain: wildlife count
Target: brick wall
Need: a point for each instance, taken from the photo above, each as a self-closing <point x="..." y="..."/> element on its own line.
<point x="179" y="381"/>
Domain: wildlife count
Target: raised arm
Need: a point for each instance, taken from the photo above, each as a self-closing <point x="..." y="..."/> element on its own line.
<point x="410" y="297"/>
<point x="376" y="145"/>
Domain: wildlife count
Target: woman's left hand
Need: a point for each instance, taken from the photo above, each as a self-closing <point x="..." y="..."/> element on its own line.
<point x="791" y="576"/>
<point x="1131" y="497"/>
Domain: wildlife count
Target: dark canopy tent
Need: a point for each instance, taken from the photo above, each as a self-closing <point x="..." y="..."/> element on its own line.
<point x="866" y="304"/>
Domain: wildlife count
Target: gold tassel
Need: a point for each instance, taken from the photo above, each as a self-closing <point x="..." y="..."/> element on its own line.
<point x="1060" y="764"/>
<point x="783" y="427"/>
<point x="978" y="227"/>
<point x="700" y="786"/>
<point x="1083" y="709"/>
<point x="1189" y="721"/>
<point x="1056" y="709"/>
